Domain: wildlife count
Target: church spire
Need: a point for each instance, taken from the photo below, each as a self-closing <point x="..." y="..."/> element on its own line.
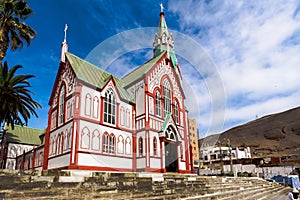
<point x="64" y="45"/>
<point x="163" y="40"/>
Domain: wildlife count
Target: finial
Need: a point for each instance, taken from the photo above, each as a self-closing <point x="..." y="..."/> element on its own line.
<point x="161" y="7"/>
<point x="66" y="28"/>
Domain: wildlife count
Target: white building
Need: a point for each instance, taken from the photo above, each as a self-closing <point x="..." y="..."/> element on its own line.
<point x="212" y="154"/>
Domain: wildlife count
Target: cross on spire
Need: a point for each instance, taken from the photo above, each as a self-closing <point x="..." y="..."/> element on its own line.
<point x="65" y="30"/>
<point x="161" y="7"/>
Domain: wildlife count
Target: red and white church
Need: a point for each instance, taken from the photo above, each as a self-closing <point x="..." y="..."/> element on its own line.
<point x="97" y="121"/>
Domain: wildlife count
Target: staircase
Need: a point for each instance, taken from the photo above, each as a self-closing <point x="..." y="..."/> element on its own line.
<point x="105" y="185"/>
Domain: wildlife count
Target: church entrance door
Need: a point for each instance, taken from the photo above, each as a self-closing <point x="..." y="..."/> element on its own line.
<point x="171" y="157"/>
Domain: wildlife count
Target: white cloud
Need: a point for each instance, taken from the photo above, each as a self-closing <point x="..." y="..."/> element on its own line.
<point x="249" y="43"/>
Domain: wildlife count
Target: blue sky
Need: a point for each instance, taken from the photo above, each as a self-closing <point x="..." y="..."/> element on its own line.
<point x="250" y="51"/>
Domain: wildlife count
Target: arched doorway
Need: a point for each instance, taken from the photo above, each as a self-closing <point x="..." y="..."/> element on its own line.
<point x="171" y="150"/>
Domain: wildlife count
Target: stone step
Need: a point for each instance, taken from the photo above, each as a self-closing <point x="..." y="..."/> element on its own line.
<point x="249" y="193"/>
<point x="271" y="193"/>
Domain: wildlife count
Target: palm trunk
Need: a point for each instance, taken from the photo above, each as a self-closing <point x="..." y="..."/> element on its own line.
<point x="3" y="44"/>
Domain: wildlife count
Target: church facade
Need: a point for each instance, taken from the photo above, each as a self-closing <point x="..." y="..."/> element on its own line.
<point x="137" y="123"/>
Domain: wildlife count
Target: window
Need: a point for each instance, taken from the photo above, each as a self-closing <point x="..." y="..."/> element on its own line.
<point x="112" y="144"/>
<point x="68" y="141"/>
<point x="176" y="112"/>
<point x="154" y="146"/>
<point x="170" y="134"/>
<point x="109" y="107"/>
<point x="62" y="105"/>
<point x="181" y="151"/>
<point x="108" y="143"/>
<point x="105" y="143"/>
<point x="157" y="104"/>
<point x="167" y="98"/>
<point x="59" y="144"/>
<point x="140" y="146"/>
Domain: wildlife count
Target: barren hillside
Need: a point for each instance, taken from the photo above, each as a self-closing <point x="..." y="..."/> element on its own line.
<point x="273" y="135"/>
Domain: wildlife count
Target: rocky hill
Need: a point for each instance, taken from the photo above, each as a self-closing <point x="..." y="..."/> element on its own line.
<point x="273" y="135"/>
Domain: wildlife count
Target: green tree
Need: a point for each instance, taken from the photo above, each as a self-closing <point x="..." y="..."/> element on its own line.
<point x="13" y="31"/>
<point x="16" y="103"/>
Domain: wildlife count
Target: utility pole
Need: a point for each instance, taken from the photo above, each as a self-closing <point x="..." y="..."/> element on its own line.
<point x="230" y="156"/>
<point x="221" y="157"/>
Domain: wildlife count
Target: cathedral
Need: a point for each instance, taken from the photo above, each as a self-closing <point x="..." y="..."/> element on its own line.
<point x="97" y="121"/>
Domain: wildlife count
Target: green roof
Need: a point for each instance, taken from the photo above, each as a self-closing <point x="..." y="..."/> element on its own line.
<point x="95" y="76"/>
<point x="140" y="72"/>
<point x="24" y="135"/>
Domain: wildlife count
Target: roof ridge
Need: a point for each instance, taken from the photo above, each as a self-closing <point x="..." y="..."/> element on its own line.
<point x="20" y="126"/>
<point x="91" y="64"/>
<point x="136" y="68"/>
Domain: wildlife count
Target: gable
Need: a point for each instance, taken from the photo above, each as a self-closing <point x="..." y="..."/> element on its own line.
<point x="159" y="72"/>
<point x="95" y="76"/>
<point x="66" y="76"/>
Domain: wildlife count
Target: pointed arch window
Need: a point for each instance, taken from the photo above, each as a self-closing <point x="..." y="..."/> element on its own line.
<point x="141" y="150"/>
<point x="59" y="144"/>
<point x="176" y="116"/>
<point x="110" y="107"/>
<point x="62" y="105"/>
<point x="68" y="141"/>
<point x="167" y="97"/>
<point x="170" y="134"/>
<point x="154" y="146"/>
<point x="105" y="143"/>
<point x="112" y="144"/>
<point x="68" y="110"/>
<point x="157" y="104"/>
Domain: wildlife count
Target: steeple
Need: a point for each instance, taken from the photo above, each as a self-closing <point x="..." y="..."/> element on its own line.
<point x="163" y="40"/>
<point x="64" y="45"/>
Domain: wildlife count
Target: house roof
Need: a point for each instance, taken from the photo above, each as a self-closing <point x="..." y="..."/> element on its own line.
<point x="95" y="76"/>
<point x="23" y="135"/>
<point x="139" y="72"/>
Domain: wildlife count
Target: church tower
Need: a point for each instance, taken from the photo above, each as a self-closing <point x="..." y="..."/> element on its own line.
<point x="163" y="40"/>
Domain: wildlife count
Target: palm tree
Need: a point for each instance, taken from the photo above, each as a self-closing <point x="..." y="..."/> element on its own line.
<point x="16" y="104"/>
<point x="12" y="30"/>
